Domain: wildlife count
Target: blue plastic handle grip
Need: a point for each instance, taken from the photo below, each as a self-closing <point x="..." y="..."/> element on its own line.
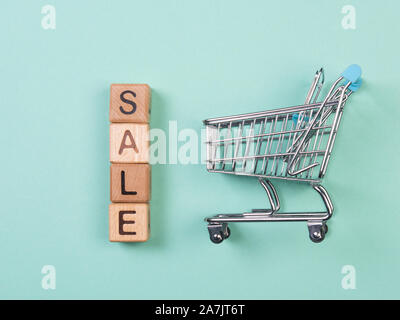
<point x="356" y="85"/>
<point x="352" y="73"/>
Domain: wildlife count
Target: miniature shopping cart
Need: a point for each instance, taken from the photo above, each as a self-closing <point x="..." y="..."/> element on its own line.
<point x="293" y="144"/>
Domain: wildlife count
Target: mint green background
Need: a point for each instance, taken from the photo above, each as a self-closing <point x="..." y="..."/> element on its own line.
<point x="203" y="59"/>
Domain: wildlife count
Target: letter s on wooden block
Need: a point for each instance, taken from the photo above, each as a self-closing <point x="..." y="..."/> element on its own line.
<point x="129" y="143"/>
<point x="130" y="103"/>
<point x="130" y="182"/>
<point x="129" y="222"/>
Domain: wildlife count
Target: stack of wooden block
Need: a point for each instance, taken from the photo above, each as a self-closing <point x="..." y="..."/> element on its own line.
<point x="129" y="212"/>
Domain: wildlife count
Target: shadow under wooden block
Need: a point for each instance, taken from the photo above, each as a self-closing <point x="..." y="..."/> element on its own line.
<point x="129" y="143"/>
<point x="129" y="222"/>
<point x="130" y="182"/>
<point x="130" y="103"/>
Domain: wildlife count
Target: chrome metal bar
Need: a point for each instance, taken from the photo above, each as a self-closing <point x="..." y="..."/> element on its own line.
<point x="332" y="135"/>
<point x="280" y="140"/>
<point x="316" y="86"/>
<point x="272" y="216"/>
<point x="287" y="178"/>
<point x="259" y="143"/>
<point x="227" y="145"/>
<point x="248" y="143"/>
<point x="237" y="147"/>
<point x="305" y="135"/>
<point x="267" y="147"/>
<point x="280" y="155"/>
<point x="287" y="217"/>
<point x="272" y="194"/>
<point x="263" y="135"/>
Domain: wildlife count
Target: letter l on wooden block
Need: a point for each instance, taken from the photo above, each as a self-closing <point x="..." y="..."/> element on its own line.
<point x="130" y="182"/>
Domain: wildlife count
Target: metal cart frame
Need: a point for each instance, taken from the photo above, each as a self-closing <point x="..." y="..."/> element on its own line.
<point x="292" y="144"/>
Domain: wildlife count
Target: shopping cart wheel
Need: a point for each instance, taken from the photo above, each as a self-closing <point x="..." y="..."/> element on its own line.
<point x="218" y="232"/>
<point x="227" y="233"/>
<point x="317" y="232"/>
<point x="216" y="238"/>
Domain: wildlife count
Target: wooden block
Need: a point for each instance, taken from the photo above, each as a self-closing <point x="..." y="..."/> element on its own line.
<point x="129" y="222"/>
<point x="130" y="182"/>
<point x="129" y="143"/>
<point x="130" y="103"/>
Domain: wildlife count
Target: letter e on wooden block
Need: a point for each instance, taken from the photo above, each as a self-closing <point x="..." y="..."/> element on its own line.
<point x="130" y="103"/>
<point x="130" y="182"/>
<point x="129" y="143"/>
<point x="129" y="222"/>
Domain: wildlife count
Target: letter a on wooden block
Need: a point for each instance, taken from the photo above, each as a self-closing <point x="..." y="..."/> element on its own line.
<point x="130" y="182"/>
<point x="129" y="143"/>
<point x="130" y="103"/>
<point x="129" y="222"/>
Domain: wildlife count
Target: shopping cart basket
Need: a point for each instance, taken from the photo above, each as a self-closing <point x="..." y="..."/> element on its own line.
<point x="293" y="144"/>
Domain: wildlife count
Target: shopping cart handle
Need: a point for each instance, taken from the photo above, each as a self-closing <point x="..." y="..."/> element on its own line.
<point x="353" y="75"/>
<point x="355" y="85"/>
